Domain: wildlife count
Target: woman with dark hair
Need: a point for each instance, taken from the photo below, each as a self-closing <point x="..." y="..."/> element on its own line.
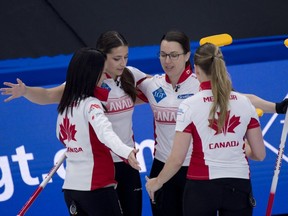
<point x="120" y="83"/>
<point x="120" y="106"/>
<point x="84" y="129"/>
<point x="218" y="177"/>
<point x="164" y="93"/>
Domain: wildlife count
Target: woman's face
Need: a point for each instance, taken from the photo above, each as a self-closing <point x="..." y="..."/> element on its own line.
<point x="174" y="66"/>
<point x="116" y="61"/>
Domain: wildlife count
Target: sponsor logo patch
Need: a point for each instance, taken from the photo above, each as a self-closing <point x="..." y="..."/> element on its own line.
<point x="159" y="94"/>
<point x="184" y="96"/>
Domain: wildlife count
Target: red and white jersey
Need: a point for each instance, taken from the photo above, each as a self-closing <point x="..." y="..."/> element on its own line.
<point x="217" y="155"/>
<point x="120" y="109"/>
<point x="164" y="102"/>
<point x="88" y="137"/>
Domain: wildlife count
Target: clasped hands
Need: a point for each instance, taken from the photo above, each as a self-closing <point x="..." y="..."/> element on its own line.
<point x="152" y="185"/>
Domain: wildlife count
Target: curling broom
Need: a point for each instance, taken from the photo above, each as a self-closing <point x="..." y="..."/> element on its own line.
<point x="278" y="166"/>
<point x="42" y="185"/>
<point x="278" y="160"/>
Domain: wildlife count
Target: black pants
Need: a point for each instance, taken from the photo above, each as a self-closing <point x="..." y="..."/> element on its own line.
<point x="99" y="202"/>
<point x="129" y="189"/>
<point x="227" y="196"/>
<point x="169" y="198"/>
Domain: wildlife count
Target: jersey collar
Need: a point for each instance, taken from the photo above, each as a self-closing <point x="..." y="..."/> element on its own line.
<point x="205" y="85"/>
<point x="108" y="76"/>
<point x="185" y="74"/>
<point x="117" y="80"/>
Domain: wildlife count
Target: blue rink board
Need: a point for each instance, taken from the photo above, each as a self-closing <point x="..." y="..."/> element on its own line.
<point x="29" y="129"/>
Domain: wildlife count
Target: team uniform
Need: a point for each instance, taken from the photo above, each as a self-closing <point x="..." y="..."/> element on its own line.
<point x="120" y="108"/>
<point x="164" y="102"/>
<point x="218" y="171"/>
<point x="89" y="185"/>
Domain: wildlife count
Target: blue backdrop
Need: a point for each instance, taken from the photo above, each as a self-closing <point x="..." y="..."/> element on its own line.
<point x="29" y="148"/>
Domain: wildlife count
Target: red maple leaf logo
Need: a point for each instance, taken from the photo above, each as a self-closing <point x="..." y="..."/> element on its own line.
<point x="67" y="131"/>
<point x="229" y="126"/>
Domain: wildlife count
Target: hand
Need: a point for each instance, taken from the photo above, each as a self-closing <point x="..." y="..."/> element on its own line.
<point x="15" y="90"/>
<point x="248" y="150"/>
<point x="152" y="185"/>
<point x="132" y="159"/>
<point x="281" y="107"/>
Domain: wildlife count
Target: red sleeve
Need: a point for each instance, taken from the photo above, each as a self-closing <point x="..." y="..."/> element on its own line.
<point x="141" y="96"/>
<point x="254" y="123"/>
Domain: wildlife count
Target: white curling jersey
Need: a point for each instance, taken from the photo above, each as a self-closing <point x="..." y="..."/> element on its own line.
<point x="120" y="109"/>
<point x="88" y="137"/>
<point x="217" y="155"/>
<point x="164" y="102"/>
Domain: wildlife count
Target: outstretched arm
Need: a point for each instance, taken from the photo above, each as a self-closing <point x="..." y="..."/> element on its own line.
<point x="267" y="106"/>
<point x="36" y="95"/>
